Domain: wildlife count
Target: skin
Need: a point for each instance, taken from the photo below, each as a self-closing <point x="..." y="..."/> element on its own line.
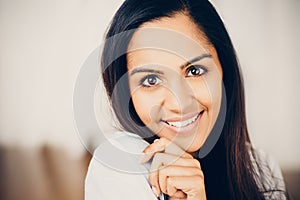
<point x="165" y="90"/>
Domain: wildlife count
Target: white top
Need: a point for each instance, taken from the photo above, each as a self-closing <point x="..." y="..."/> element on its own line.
<point x="115" y="171"/>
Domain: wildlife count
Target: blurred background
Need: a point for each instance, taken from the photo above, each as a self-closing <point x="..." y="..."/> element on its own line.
<point x="43" y="45"/>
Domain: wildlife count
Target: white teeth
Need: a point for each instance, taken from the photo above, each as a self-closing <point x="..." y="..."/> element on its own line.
<point x="183" y="123"/>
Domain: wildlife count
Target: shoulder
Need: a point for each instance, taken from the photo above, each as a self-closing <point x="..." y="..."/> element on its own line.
<point x="121" y="152"/>
<point x="115" y="166"/>
<point x="269" y="176"/>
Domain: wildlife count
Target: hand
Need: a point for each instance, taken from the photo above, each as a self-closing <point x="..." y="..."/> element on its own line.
<point x="174" y="171"/>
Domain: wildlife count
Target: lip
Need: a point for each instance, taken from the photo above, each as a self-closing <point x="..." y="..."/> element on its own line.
<point x="184" y="129"/>
<point x="182" y="118"/>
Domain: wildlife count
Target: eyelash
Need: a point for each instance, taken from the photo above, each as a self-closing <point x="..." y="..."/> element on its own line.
<point x="143" y="83"/>
<point x="202" y="69"/>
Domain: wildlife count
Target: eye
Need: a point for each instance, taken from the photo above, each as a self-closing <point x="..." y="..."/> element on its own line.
<point x="150" y="81"/>
<point x="195" y="70"/>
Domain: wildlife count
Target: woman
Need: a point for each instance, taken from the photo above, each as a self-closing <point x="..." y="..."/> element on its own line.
<point x="173" y="79"/>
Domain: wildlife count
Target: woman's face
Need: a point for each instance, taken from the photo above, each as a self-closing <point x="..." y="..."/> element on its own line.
<point x="176" y="88"/>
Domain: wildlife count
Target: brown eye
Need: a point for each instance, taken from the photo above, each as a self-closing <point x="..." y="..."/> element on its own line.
<point x="150" y="80"/>
<point x="196" y="70"/>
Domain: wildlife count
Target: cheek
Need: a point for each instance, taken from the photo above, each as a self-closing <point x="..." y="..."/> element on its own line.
<point x="147" y="105"/>
<point x="209" y="94"/>
<point x="140" y="108"/>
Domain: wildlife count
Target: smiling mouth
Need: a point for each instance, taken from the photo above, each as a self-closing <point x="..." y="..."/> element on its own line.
<point x="181" y="124"/>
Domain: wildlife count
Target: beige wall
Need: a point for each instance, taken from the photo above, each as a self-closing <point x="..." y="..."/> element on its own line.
<point x="266" y="36"/>
<point x="44" y="43"/>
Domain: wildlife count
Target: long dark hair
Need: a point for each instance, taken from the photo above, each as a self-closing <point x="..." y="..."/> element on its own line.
<point x="228" y="168"/>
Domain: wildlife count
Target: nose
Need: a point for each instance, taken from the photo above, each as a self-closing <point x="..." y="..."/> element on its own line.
<point x="179" y="96"/>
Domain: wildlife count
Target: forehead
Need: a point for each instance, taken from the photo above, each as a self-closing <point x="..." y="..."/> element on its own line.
<point x="178" y="37"/>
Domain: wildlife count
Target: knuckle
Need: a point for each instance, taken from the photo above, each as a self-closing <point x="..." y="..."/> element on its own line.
<point x="199" y="180"/>
<point x="196" y="163"/>
<point x="162" y="181"/>
<point x="170" y="181"/>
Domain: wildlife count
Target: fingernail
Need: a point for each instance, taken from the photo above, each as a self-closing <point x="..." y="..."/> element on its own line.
<point x="155" y="191"/>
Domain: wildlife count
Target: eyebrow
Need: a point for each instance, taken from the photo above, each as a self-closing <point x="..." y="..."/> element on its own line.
<point x="138" y="70"/>
<point x="195" y="60"/>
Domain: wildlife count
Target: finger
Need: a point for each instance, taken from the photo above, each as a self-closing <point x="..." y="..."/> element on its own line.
<point x="165" y="145"/>
<point x="157" y="162"/>
<point x="174" y="193"/>
<point x="157" y="145"/>
<point x="190" y="185"/>
<point x="178" y="195"/>
<point x="168" y="171"/>
<point x="162" y="160"/>
<point x="170" y="189"/>
<point x="180" y="161"/>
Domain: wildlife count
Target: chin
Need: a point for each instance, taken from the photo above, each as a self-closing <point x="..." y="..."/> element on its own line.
<point x="194" y="146"/>
<point x="193" y="149"/>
